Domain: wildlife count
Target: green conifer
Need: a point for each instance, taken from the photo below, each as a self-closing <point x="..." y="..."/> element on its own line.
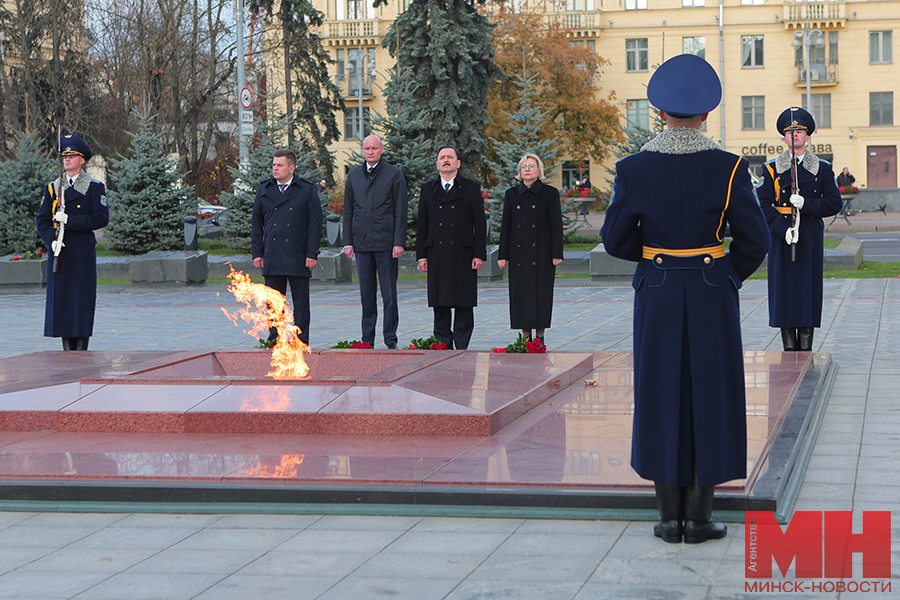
<point x="22" y="183"/>
<point x="446" y="54"/>
<point x="146" y="200"/>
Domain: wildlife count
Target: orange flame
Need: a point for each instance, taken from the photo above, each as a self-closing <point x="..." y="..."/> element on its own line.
<point x="287" y="468"/>
<point x="267" y="399"/>
<point x="267" y="308"/>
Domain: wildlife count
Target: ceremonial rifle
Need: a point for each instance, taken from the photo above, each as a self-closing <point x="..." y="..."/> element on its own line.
<point x="795" y="189"/>
<point x="59" y="203"/>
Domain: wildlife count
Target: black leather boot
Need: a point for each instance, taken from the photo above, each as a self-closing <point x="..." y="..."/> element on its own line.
<point x="671" y="513"/>
<point x="789" y="339"/>
<point x="805" y="338"/>
<point x="81" y="343"/>
<point x="68" y="343"/>
<point x="698" y="524"/>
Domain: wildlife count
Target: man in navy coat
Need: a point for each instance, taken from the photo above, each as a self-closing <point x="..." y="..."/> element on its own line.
<point x="72" y="267"/>
<point x="669" y="210"/>
<point x="286" y="229"/>
<point x="451" y="247"/>
<point x="795" y="286"/>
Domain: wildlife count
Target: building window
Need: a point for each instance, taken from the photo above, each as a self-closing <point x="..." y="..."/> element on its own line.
<point x="341" y="68"/>
<point x="821" y="110"/>
<point x="355" y="9"/>
<point x="753" y="112"/>
<point x="751" y="51"/>
<point x="635" y="4"/>
<point x="637" y="116"/>
<point x="577" y="5"/>
<point x="351" y="124"/>
<point x="692" y="3"/>
<point x="880" y="47"/>
<point x="694" y="45"/>
<point x="881" y="108"/>
<point x="636" y="55"/>
<point x="750" y="2"/>
<point x="833" y="47"/>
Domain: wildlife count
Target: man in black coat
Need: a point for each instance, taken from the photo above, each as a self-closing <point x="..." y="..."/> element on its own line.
<point x="450" y="247"/>
<point x="72" y="288"/>
<point x="375" y="205"/>
<point x="285" y="235"/>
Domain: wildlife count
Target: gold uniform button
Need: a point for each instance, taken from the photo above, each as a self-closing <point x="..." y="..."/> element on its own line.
<point x="707" y="260"/>
<point x="659" y="260"/>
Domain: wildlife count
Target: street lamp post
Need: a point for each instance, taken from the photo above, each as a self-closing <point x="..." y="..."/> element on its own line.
<point x="359" y="59"/>
<point x="806" y="37"/>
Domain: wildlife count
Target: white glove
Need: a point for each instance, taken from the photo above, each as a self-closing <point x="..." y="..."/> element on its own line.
<point x="56" y="246"/>
<point x="797" y="200"/>
<point x="61" y="217"/>
<point x="792" y="235"/>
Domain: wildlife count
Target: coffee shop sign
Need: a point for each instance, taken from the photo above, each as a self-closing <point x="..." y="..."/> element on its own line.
<point x="768" y="149"/>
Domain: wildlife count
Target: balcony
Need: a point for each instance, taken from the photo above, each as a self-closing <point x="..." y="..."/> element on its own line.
<point x="351" y="33"/>
<point x="582" y="24"/>
<point x="820" y="75"/>
<point x="829" y="14"/>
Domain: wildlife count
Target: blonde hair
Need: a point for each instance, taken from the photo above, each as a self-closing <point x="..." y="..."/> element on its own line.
<point x="540" y="165"/>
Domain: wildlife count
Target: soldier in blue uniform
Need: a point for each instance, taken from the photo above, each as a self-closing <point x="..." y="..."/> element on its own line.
<point x="795" y="286"/>
<point x="670" y="206"/>
<point x="72" y="291"/>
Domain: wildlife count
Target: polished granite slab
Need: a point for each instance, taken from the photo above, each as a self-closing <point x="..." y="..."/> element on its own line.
<point x="346" y="392"/>
<point x="564" y="444"/>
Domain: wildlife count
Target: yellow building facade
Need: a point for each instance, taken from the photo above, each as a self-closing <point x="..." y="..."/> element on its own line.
<point x="845" y="49"/>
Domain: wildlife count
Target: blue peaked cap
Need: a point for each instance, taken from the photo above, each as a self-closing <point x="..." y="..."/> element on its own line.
<point x="796" y="118"/>
<point x="685" y="85"/>
<point x="72" y="144"/>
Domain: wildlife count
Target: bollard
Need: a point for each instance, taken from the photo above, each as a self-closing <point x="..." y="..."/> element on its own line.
<point x="333" y="231"/>
<point x="190" y="233"/>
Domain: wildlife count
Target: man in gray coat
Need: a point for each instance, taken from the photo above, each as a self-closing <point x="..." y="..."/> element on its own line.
<point x="285" y="232"/>
<point x="375" y="205"/>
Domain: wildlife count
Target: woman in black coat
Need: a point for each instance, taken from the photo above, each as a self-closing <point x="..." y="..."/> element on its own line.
<point x="531" y="241"/>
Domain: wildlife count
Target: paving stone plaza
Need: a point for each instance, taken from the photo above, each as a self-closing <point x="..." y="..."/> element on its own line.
<point x="98" y="554"/>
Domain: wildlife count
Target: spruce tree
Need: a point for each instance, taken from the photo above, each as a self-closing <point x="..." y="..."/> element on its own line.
<point x="146" y="202"/>
<point x="528" y="126"/>
<point x="257" y="170"/>
<point x="405" y="144"/>
<point x="446" y="53"/>
<point x="312" y="99"/>
<point x="22" y="183"/>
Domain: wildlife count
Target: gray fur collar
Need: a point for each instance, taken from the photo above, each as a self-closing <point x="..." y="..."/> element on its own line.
<point x="810" y="162"/>
<point x="680" y="140"/>
<point x="81" y="185"/>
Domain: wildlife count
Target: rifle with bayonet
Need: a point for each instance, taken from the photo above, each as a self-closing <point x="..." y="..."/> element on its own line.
<point x="59" y="203"/>
<point x="795" y="190"/>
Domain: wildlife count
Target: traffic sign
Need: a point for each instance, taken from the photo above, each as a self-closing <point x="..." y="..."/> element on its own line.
<point x="247" y="129"/>
<point x="246" y="97"/>
<point x="246" y="116"/>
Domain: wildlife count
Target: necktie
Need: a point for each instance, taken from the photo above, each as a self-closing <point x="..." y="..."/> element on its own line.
<point x="281" y="187"/>
<point x="446" y="187"/>
<point x="71" y="181"/>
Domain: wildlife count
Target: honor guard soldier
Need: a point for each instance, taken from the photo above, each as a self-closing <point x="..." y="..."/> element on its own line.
<point x="670" y="206"/>
<point x="73" y="207"/>
<point x="794" y="214"/>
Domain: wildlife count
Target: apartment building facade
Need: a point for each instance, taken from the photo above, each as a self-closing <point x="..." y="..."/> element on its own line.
<point x="768" y="54"/>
